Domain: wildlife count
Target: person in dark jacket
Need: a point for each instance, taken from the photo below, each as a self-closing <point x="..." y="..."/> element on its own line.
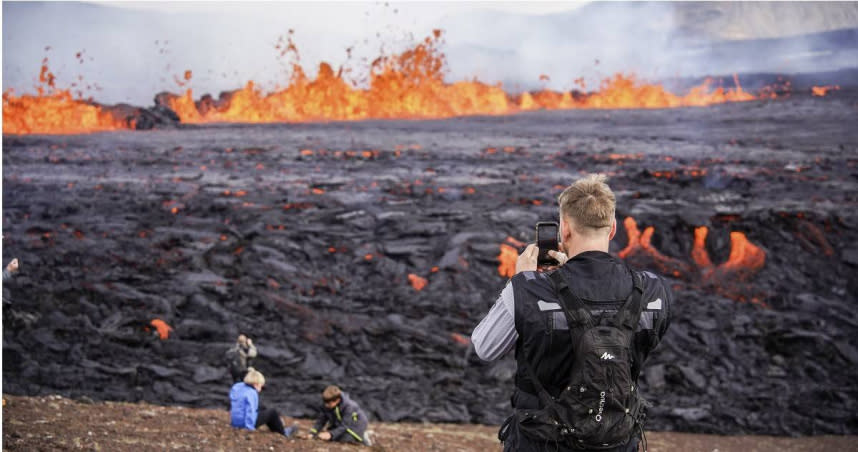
<point x="244" y="406"/>
<point x="10" y="270"/>
<point x="240" y="357"/>
<point x="345" y="420"/>
<point x="528" y="315"/>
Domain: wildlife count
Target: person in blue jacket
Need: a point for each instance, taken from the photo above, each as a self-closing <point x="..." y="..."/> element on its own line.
<point x="244" y="406"/>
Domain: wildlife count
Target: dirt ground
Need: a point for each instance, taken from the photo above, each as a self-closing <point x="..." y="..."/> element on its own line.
<point x="54" y="423"/>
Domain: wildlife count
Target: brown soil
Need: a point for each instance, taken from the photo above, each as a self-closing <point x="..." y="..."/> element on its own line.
<point x="53" y="423"/>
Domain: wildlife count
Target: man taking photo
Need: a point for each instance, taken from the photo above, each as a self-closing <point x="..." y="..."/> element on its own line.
<point x="581" y="334"/>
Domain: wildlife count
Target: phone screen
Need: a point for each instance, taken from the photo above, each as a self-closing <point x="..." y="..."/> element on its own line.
<point x="546" y="239"/>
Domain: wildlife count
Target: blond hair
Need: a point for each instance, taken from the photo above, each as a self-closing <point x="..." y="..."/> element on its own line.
<point x="254" y="376"/>
<point x="331" y="393"/>
<point x="589" y="203"/>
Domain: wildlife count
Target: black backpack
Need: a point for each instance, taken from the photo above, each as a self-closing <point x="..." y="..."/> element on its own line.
<point x="600" y="407"/>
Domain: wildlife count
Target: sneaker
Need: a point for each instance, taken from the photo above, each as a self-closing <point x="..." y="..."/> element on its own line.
<point x="293" y="429"/>
<point x="367" y="438"/>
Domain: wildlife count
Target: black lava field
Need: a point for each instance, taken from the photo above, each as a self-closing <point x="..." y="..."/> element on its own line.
<point x="315" y="238"/>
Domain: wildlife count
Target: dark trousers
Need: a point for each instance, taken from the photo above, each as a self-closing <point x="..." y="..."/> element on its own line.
<point x="271" y="418"/>
<point x="347" y="438"/>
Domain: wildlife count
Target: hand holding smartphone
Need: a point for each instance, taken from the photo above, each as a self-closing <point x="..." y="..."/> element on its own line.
<point x="547" y="238"/>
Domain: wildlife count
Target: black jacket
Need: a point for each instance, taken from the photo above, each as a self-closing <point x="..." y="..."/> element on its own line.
<point x="345" y="421"/>
<point x="603" y="283"/>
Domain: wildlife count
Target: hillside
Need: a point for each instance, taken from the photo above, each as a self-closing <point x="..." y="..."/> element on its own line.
<point x="56" y="423"/>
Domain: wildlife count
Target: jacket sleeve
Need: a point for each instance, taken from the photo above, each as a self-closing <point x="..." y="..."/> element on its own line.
<point x="338" y="428"/>
<point x="251" y="411"/>
<point x="251" y="351"/>
<point x="320" y="423"/>
<point x="656" y="315"/>
<point x="495" y="336"/>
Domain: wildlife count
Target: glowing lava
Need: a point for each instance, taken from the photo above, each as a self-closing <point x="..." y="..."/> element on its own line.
<point x="507" y="258"/>
<point x="746" y="259"/>
<point x="417" y="282"/>
<point x="409" y="85"/>
<point x="822" y="91"/>
<point x="162" y="328"/>
<point x="55" y="113"/>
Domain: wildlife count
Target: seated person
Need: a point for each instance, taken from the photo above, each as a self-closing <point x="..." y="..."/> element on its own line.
<point x="346" y="421"/>
<point x="244" y="406"/>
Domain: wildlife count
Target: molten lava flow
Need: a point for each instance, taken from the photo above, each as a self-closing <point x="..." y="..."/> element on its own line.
<point x="417" y="282"/>
<point x="507" y="257"/>
<point x="746" y="259"/>
<point x="699" y="253"/>
<point x="821" y="91"/>
<point x="639" y="243"/>
<point x="162" y="327"/>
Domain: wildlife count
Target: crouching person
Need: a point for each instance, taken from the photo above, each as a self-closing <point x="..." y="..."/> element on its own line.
<point x="345" y="421"/>
<point x="244" y="406"/>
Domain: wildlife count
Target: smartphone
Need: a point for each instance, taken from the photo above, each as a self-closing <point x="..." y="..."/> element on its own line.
<point x="547" y="233"/>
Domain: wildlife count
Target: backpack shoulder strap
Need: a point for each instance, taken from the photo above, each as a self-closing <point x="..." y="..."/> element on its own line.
<point x="576" y="313"/>
<point x="629" y="314"/>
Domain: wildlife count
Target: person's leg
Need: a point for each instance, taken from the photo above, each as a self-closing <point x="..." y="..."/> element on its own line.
<point x="271" y="418"/>
<point x="347" y="438"/>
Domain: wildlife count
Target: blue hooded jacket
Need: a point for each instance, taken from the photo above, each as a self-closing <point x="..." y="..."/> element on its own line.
<point x="243" y="406"/>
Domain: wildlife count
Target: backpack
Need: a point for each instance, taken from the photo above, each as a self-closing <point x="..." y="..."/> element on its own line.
<point x="600" y="407"/>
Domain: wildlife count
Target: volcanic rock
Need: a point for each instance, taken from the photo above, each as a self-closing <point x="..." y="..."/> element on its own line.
<point x="343" y="269"/>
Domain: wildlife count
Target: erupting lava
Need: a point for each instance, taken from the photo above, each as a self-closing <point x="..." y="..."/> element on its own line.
<point x="746" y="259"/>
<point x="54" y="111"/>
<point x="507" y="257"/>
<point x="406" y="86"/>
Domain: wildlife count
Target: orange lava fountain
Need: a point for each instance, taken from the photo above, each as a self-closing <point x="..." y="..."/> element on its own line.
<point x="409" y="85"/>
<point x="53" y="111"/>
